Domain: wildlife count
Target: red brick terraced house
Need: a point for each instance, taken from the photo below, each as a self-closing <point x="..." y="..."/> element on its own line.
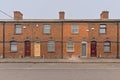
<point x="60" y="38"/>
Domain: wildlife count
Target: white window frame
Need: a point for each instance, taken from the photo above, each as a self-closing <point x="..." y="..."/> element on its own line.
<point x="70" y="47"/>
<point x="103" y="28"/>
<point x="18" y="29"/>
<point x="107" y="46"/>
<point x="51" y="46"/>
<point x="75" y="29"/>
<point x="13" y="46"/>
<point x="47" y="28"/>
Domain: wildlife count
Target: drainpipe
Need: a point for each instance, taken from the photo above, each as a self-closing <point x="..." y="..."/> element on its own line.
<point x="62" y="41"/>
<point x="117" y="56"/>
<point x="3" y="55"/>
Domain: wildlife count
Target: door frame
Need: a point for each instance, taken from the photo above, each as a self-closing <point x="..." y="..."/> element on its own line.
<point x="37" y="43"/>
<point x="26" y="55"/>
<point x="86" y="48"/>
<point x="95" y="49"/>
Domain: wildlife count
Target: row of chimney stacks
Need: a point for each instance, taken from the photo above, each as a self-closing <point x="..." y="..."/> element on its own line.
<point x="19" y="16"/>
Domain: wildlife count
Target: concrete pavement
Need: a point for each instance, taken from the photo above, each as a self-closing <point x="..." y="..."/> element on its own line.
<point x="71" y="60"/>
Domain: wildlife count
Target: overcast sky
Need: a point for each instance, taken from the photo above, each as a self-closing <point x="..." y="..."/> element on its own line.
<point x="48" y="9"/>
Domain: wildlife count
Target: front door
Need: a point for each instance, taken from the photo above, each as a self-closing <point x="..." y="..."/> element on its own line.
<point x="83" y="49"/>
<point x="93" y="48"/>
<point x="27" y="48"/>
<point x="36" y="49"/>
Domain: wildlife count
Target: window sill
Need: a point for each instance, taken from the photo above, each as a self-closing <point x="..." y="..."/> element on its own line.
<point x="75" y="33"/>
<point x="102" y="33"/>
<point x="71" y="51"/>
<point x="51" y="51"/>
<point x="107" y="52"/>
<point x="18" y="33"/>
<point x="47" y="33"/>
<point x="13" y="51"/>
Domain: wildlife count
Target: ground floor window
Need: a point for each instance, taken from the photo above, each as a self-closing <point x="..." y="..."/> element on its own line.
<point x="107" y="46"/>
<point x="13" y="46"/>
<point x="70" y="47"/>
<point x="51" y="46"/>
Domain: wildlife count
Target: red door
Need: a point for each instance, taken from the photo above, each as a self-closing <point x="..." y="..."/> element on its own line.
<point x="93" y="49"/>
<point x="27" y="48"/>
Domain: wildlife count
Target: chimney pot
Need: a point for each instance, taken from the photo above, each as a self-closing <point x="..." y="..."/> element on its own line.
<point x="18" y="15"/>
<point x="104" y="15"/>
<point x="61" y="15"/>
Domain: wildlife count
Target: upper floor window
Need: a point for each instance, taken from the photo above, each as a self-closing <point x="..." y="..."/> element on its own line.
<point x="74" y="29"/>
<point x="70" y="47"/>
<point x="107" y="46"/>
<point x="13" y="46"/>
<point x="102" y="29"/>
<point x="51" y="46"/>
<point x="18" y="29"/>
<point x="46" y="29"/>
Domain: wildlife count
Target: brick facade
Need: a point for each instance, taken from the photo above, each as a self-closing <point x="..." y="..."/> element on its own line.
<point x="32" y="30"/>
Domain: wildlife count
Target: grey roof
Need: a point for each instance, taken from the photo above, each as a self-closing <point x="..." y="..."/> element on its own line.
<point x="58" y="20"/>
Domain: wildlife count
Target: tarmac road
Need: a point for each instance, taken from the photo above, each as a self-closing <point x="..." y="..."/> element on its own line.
<point x="59" y="71"/>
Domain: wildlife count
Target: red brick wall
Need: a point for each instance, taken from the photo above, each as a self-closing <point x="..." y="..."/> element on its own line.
<point x="100" y="38"/>
<point x="33" y="32"/>
<point x="92" y="34"/>
<point x="77" y="39"/>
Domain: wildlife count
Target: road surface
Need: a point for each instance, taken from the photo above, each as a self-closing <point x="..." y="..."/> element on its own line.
<point x="59" y="71"/>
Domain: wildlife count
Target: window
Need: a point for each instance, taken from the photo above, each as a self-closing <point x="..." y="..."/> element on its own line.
<point x="70" y="47"/>
<point x="18" y="29"/>
<point x="13" y="46"/>
<point x="102" y="29"/>
<point x="74" y="29"/>
<point x="51" y="46"/>
<point x="46" y="29"/>
<point x="107" y="46"/>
